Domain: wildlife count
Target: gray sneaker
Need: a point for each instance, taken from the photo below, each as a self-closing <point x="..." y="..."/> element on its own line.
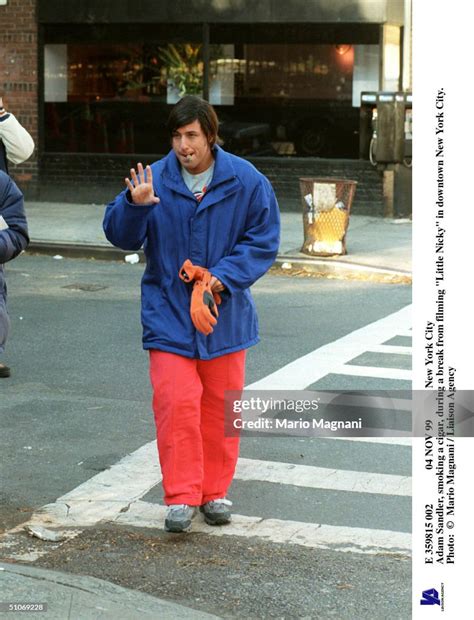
<point x="178" y="517"/>
<point x="217" y="512"/>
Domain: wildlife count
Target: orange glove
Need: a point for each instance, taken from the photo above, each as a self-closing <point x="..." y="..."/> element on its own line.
<point x="203" y="310"/>
<point x="190" y="272"/>
<point x="204" y="302"/>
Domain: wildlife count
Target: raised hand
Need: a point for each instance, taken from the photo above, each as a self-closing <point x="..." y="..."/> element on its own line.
<point x="141" y="186"/>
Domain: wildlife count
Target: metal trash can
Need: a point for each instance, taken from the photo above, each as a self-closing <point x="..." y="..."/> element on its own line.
<point x="326" y="210"/>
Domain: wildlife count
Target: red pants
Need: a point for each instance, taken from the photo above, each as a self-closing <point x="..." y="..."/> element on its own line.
<point x="197" y="460"/>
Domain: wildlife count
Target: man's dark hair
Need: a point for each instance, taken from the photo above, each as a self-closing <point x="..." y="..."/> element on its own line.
<point x="190" y="109"/>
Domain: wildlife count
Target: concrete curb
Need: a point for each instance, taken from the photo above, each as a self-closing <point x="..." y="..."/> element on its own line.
<point x="79" y="250"/>
<point x="78" y="596"/>
<point x="344" y="268"/>
<point x="314" y="265"/>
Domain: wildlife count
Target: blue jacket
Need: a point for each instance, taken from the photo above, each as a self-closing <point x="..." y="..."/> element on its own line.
<point x="234" y="231"/>
<point x="13" y="227"/>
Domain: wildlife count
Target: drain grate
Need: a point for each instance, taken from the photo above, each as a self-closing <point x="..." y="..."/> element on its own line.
<point x="89" y="288"/>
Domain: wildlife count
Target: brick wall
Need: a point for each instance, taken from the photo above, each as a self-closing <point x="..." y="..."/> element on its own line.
<point x="19" y="78"/>
<point x="98" y="178"/>
<point x="284" y="174"/>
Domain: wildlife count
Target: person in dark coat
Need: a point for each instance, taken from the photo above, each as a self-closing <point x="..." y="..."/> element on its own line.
<point x="209" y="224"/>
<point x="13" y="240"/>
<point x="16" y="146"/>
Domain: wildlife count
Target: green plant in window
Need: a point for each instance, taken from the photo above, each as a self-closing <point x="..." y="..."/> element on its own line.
<point x="184" y="67"/>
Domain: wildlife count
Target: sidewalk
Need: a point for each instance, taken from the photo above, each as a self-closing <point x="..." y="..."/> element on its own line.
<point x="374" y="244"/>
<point x="82" y="598"/>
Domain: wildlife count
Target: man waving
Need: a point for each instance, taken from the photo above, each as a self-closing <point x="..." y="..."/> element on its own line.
<point x="209" y="224"/>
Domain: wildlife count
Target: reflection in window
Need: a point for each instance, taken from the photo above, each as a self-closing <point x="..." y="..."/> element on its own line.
<point x="288" y="71"/>
<point x="182" y="69"/>
<point x="97" y="72"/>
<point x="116" y="98"/>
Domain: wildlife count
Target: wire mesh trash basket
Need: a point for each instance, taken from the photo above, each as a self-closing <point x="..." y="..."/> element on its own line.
<point x="326" y="210"/>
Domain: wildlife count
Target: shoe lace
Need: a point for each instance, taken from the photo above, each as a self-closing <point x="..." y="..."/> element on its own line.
<point x="176" y="507"/>
<point x="221" y="500"/>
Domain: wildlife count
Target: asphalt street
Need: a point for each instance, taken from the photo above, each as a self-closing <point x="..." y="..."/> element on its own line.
<point x="79" y="400"/>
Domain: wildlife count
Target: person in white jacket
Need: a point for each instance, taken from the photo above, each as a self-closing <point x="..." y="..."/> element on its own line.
<point x="16" y="146"/>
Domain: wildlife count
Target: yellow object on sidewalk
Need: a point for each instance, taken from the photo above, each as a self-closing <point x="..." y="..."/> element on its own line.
<point x="329" y="225"/>
<point x="326" y="211"/>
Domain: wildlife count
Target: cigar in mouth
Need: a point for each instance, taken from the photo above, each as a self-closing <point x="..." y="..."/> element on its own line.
<point x="189" y="158"/>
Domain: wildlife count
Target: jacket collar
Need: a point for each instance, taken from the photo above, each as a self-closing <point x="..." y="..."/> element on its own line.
<point x="223" y="171"/>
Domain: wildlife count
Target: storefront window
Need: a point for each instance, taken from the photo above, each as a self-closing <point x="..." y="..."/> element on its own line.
<point x="97" y="99"/>
<point x="298" y="72"/>
<point x="272" y="99"/>
<point x="286" y="99"/>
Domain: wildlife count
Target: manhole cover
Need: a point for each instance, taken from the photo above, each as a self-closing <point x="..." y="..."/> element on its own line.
<point x="90" y="288"/>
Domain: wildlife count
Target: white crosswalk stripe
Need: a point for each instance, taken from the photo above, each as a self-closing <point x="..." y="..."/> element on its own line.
<point x="372" y="371"/>
<point x="322" y="477"/>
<point x="115" y="495"/>
<point x="390" y="349"/>
<point x="316" y="535"/>
<point x="310" y="368"/>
